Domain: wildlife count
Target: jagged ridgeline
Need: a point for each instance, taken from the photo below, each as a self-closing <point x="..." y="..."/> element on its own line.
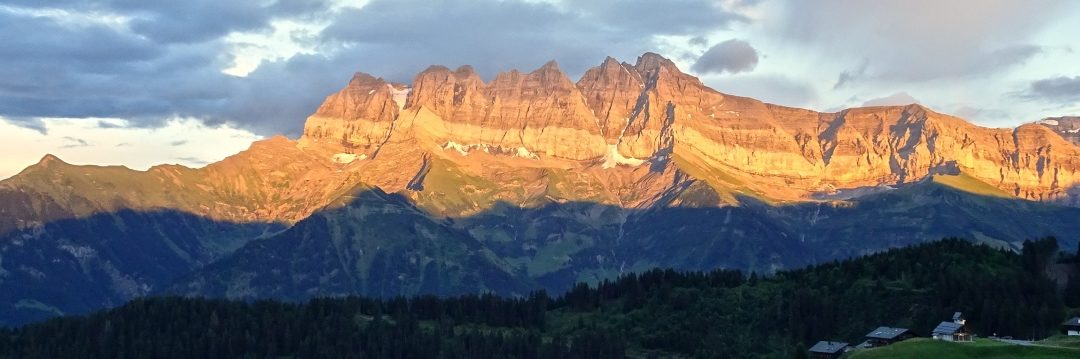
<point x="453" y="184"/>
<point x="659" y="313"/>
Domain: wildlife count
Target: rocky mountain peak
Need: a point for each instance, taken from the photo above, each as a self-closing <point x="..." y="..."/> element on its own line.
<point x="364" y="80"/>
<point x="653" y="62"/>
<point x="550" y="68"/>
<point x="465" y="71"/>
<point x="50" y="160"/>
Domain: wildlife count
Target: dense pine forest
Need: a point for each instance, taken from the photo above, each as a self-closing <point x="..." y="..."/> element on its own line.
<point x="652" y="314"/>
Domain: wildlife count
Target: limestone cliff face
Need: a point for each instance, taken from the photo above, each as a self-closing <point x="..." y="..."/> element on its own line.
<point x="646" y="113"/>
<point x="360" y="117"/>
<point x="1066" y="126"/>
<point x="820" y="152"/>
<point x="540" y="112"/>
<point x="624" y="134"/>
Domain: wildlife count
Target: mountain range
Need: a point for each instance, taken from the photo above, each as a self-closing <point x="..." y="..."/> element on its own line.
<point x="453" y="184"/>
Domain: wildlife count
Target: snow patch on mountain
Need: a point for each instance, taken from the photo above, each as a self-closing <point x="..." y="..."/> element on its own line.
<point x="464" y="150"/>
<point x="346" y="158"/>
<point x="399" y="95"/>
<point x="614" y="158"/>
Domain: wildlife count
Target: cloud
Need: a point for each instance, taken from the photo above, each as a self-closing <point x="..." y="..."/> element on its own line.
<point x="918" y="40"/>
<point x="731" y="56"/>
<point x="110" y="124"/>
<point x="896" y="99"/>
<point x="771" y="88"/>
<point x="150" y="61"/>
<point x="1063" y="90"/>
<point x="72" y="142"/>
<point x="397" y="38"/>
<point x="54" y="69"/>
<point x="849" y="76"/>
<point x="32" y="123"/>
<point x="178" y="143"/>
<point x="192" y="160"/>
<point x="187" y="21"/>
<point x="980" y="114"/>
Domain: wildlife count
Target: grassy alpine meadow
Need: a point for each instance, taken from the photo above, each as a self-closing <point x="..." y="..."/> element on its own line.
<point x="981" y="348"/>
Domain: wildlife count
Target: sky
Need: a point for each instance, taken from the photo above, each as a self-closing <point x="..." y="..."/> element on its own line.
<point x="138" y="83"/>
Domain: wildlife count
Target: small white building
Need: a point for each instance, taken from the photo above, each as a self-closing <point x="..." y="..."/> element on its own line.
<point x="954" y="331"/>
<point x="1071" y="327"/>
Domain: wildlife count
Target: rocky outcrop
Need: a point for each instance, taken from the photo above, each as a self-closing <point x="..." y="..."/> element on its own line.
<point x="540" y="112"/>
<point x="360" y="117"/>
<point x="1066" y="126"/>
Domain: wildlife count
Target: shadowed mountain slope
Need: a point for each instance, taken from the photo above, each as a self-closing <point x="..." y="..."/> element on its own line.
<point x="380" y="245"/>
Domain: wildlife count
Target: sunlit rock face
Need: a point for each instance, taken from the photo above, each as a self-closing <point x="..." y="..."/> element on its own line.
<point x="624" y="134"/>
<point x="541" y="111"/>
<point x="644" y="114"/>
<point x="1066" y="126"/>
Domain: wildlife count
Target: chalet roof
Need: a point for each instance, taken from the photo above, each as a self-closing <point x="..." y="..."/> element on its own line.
<point x="1074" y="321"/>
<point x="886" y="333"/>
<point x="957" y="316"/>
<point x="864" y="345"/>
<point x="828" y="347"/>
<point x="947" y="328"/>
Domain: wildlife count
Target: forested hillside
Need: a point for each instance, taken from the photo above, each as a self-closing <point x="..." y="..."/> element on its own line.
<point x="656" y="313"/>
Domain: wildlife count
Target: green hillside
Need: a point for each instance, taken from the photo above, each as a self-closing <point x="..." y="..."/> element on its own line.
<point x="982" y="349"/>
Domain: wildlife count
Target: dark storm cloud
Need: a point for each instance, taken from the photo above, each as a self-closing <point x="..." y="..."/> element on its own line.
<point x="166" y="60"/>
<point x="732" y="56"/>
<point x="55" y="66"/>
<point x="93" y="70"/>
<point x="1059" y="90"/>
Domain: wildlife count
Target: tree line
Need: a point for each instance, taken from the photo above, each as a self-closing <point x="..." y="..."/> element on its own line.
<point x="721" y="313"/>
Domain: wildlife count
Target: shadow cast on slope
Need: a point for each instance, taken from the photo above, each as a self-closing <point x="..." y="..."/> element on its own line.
<point x="78" y="265"/>
<point x="381" y="245"/>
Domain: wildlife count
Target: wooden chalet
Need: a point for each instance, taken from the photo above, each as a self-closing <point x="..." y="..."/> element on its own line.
<point x="828" y="350"/>
<point x="883" y="336"/>
<point x="1071" y="327"/>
